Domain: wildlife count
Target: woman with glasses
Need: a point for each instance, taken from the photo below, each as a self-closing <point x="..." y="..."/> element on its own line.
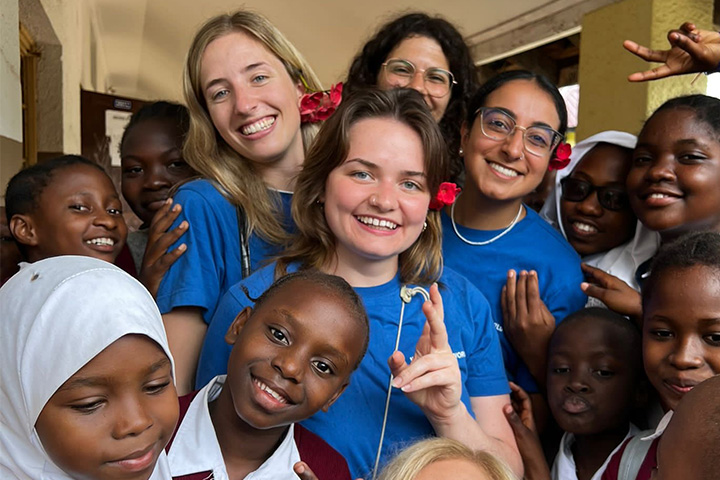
<point x="515" y="122"/>
<point x="428" y="54"/>
<point x="591" y="208"/>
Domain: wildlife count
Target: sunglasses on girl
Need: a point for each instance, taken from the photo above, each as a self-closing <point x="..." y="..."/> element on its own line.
<point x="611" y="198"/>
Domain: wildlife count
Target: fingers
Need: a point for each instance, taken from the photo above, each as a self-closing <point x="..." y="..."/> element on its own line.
<point x="532" y="292"/>
<point x="694" y="49"/>
<point x="397" y="363"/>
<point x="440" y="369"/>
<point x="509" y="289"/>
<point x="521" y="302"/>
<point x="519" y="429"/>
<point x="165" y="217"/>
<point x="645" y="53"/>
<point x="158" y="244"/>
<point x="433" y="310"/>
<point x="303" y="471"/>
<point x="595" y="275"/>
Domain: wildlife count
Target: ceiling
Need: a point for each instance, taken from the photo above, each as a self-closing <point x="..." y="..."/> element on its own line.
<point x="143" y="42"/>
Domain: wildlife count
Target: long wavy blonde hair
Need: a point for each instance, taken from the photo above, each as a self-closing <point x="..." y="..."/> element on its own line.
<point x="208" y="153"/>
<point x="408" y="464"/>
<point x="314" y="244"/>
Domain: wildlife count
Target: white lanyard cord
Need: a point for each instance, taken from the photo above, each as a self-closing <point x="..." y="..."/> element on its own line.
<point x="406" y="295"/>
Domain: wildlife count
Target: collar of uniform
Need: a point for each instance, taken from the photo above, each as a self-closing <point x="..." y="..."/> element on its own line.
<point x="196" y="448"/>
<point x="564" y="465"/>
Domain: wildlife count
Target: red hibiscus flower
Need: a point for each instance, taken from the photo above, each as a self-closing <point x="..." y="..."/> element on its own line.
<point x="562" y="157"/>
<point x="446" y="195"/>
<point x="318" y="106"/>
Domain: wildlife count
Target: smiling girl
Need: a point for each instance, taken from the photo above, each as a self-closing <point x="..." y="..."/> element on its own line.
<point x="672" y="185"/>
<point x="515" y="122"/>
<point x="591" y="207"/>
<point x="243" y="84"/>
<point x="361" y="209"/>
<point x="87" y="380"/>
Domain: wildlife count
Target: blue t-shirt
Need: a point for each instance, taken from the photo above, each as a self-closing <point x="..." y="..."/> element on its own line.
<point x="353" y="424"/>
<point x="532" y="245"/>
<point x="211" y="263"/>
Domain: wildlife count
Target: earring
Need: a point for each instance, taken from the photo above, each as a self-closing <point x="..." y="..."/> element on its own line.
<point x="424" y="226"/>
<point x="373" y="200"/>
<point x="461" y="152"/>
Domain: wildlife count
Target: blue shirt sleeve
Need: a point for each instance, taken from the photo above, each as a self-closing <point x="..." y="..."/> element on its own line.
<point x="199" y="277"/>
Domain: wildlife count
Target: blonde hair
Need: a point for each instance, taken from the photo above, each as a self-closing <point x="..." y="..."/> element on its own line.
<point x="314" y="244"/>
<point x="408" y="464"/>
<point x="208" y="153"/>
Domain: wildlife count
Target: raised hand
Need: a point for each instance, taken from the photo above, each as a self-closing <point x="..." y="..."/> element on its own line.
<point x="527" y="322"/>
<point x="157" y="259"/>
<point x="613" y="292"/>
<point x="432" y="379"/>
<point x="691" y="50"/>
<point x="519" y="416"/>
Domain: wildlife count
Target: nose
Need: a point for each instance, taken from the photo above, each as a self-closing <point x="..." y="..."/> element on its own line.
<point x="384" y="198"/>
<point x="577" y="382"/>
<point x="590" y="206"/>
<point x="245" y="101"/>
<point x="131" y="418"/>
<point x="289" y="365"/>
<point x="514" y="144"/>
<point x="106" y="219"/>
<point x="418" y="82"/>
<point x="661" y="169"/>
<point x="687" y="354"/>
<point x="155" y="179"/>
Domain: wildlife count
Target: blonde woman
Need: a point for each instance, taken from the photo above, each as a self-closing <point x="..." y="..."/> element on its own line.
<point x="362" y="211"/>
<point x="243" y="83"/>
<point x="445" y="458"/>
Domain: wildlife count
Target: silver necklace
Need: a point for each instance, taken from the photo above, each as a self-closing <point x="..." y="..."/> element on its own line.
<point x="486" y="242"/>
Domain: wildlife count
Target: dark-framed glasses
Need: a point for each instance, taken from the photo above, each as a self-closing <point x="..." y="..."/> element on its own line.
<point x="611" y="198"/>
<point x="499" y="125"/>
<point x="438" y="81"/>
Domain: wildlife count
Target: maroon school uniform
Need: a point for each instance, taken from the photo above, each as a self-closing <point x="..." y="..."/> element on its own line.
<point x="646" y="468"/>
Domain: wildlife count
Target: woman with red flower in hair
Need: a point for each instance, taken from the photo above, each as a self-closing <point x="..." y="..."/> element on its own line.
<point x="244" y="84"/>
<point x="363" y="210"/>
<point x="512" y="134"/>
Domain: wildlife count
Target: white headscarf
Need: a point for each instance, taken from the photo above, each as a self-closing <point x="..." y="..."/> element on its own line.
<point x="56" y="315"/>
<point x="623" y="260"/>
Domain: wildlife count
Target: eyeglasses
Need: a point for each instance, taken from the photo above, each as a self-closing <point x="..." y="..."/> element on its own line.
<point x="611" y="198"/>
<point x="498" y="125"/>
<point x="438" y="82"/>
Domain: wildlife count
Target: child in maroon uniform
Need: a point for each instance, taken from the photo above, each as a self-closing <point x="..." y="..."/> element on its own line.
<point x="293" y="355"/>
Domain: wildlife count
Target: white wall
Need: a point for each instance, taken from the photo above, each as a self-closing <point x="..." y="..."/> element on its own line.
<point x="10" y="92"/>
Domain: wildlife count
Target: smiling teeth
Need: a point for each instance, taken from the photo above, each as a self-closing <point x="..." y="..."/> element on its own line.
<point x="101" y="241"/>
<point x="270" y="391"/>
<point x="374" y="222"/>
<point x="659" y="195"/>
<point x="505" y="171"/>
<point x="258" y="126"/>
<point x="584" y="227"/>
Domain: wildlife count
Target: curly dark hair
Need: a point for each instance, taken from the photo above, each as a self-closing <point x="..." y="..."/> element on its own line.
<point x="693" y="249"/>
<point x="705" y="108"/>
<point x="366" y="66"/>
<point x="160" y="110"/>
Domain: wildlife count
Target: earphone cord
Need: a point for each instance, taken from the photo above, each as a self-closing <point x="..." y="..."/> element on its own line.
<point x="406" y="295"/>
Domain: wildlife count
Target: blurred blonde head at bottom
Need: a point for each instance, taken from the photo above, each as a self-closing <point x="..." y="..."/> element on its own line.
<point x="443" y="458"/>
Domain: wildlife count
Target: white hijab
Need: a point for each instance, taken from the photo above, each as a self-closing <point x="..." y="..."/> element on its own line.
<point x="623" y="260"/>
<point x="56" y="315"/>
